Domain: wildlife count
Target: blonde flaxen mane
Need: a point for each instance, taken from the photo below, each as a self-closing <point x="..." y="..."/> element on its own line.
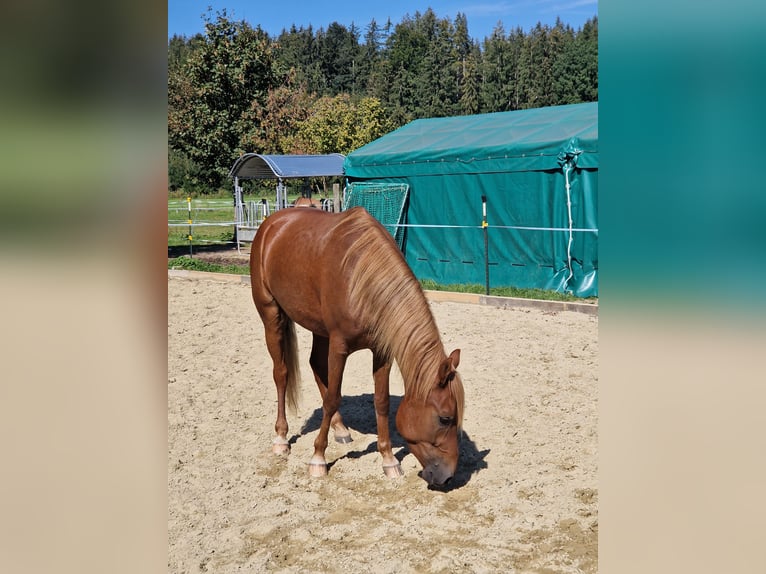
<point x="387" y="296"/>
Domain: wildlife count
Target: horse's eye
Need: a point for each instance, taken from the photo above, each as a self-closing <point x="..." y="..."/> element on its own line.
<point x="445" y="421"/>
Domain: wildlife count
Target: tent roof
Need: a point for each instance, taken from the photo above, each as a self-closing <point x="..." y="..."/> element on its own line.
<point x="524" y="140"/>
<point x="257" y="166"/>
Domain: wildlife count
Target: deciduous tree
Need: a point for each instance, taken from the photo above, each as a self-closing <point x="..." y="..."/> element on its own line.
<point x="232" y="69"/>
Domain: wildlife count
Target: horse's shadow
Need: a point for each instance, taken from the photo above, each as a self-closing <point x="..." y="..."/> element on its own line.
<point x="359" y="415"/>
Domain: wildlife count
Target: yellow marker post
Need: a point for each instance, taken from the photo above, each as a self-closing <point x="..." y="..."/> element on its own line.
<point x="188" y="205"/>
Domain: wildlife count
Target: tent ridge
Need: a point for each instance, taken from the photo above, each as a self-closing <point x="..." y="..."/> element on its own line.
<point x="549" y="154"/>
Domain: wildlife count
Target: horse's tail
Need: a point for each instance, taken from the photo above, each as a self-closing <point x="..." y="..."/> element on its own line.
<point x="290" y="351"/>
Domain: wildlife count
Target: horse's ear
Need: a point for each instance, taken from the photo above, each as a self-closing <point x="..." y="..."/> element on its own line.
<point x="444" y="372"/>
<point x="447" y="368"/>
<point x="455" y="358"/>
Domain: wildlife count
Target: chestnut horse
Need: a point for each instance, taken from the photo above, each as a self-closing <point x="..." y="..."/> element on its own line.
<point x="351" y="287"/>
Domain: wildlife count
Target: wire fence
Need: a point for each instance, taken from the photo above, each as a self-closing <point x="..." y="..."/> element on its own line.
<point x="196" y="222"/>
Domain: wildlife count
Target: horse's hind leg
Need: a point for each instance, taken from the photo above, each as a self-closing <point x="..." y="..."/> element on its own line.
<point x="319" y="355"/>
<point x="381" y="370"/>
<point x="276" y="325"/>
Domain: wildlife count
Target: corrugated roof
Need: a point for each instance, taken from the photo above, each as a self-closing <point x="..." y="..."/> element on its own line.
<point x="257" y="166"/>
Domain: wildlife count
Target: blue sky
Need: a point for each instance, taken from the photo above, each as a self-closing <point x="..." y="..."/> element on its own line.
<point x="185" y="16"/>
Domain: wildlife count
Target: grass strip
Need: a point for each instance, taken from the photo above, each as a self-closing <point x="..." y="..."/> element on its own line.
<point x="191" y="264"/>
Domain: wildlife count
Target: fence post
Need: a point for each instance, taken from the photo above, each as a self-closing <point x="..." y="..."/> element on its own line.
<point x="188" y="204"/>
<point x="336" y="197"/>
<point x="484" y="227"/>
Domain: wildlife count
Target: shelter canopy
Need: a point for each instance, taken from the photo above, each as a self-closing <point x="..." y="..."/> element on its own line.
<point x="257" y="166"/>
<point x="524" y="140"/>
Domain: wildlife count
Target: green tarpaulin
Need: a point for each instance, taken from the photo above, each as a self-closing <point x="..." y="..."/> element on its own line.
<point x="521" y="163"/>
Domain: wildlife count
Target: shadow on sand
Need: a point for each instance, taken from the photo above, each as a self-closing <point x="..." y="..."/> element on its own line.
<point x="179" y="250"/>
<point x="359" y="415"/>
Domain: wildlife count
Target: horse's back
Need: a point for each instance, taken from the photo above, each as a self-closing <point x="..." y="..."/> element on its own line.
<point x="307" y="233"/>
<point x="296" y="260"/>
<point x="312" y="230"/>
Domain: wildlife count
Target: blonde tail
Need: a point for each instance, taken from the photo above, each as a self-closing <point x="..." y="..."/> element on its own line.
<point x="292" y="393"/>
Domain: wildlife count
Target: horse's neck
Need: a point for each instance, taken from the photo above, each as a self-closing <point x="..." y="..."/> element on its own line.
<point x="417" y="349"/>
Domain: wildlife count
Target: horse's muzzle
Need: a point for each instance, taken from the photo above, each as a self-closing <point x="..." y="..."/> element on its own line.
<point x="437" y="475"/>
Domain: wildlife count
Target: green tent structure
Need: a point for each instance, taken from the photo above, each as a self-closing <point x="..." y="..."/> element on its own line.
<point x="534" y="172"/>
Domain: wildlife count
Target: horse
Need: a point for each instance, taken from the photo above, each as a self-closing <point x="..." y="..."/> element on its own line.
<point x="306" y="202"/>
<point x="351" y="287"/>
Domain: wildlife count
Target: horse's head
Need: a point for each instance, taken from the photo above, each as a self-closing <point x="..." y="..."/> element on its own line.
<point x="432" y="427"/>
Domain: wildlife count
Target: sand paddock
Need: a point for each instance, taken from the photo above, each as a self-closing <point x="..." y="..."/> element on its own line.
<point x="525" y="498"/>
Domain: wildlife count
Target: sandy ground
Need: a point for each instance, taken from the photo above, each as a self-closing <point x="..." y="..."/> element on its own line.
<point x="525" y="498"/>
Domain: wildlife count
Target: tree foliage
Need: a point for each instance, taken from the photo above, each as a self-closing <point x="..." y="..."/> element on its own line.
<point x="235" y="89"/>
<point x="338" y="125"/>
<point x="232" y="70"/>
<point x="273" y="124"/>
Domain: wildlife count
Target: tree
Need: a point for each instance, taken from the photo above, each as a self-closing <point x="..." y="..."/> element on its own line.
<point x="371" y="73"/>
<point x="493" y="91"/>
<point x="183" y="173"/>
<point x="371" y="122"/>
<point x="337" y="125"/>
<point x="339" y="54"/>
<point x="275" y="124"/>
<point x="587" y="43"/>
<point x="469" y="86"/>
<point x="467" y="67"/>
<point x="180" y="50"/>
<point x="536" y="69"/>
<point x="405" y="50"/>
<point x="232" y="69"/>
<point x="299" y="50"/>
<point x="438" y="79"/>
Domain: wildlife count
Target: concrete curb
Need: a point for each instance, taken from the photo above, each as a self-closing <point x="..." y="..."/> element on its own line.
<point x="224" y="277"/>
<point x="587" y="308"/>
<point x="448" y="296"/>
<point x="476" y="299"/>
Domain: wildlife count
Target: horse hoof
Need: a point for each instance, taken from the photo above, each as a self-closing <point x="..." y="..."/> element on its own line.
<point x="280" y="446"/>
<point x="344" y="439"/>
<point x="317" y="469"/>
<point x="393" y="471"/>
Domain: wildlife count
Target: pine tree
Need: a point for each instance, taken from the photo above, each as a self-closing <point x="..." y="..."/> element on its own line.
<point x="501" y="87"/>
<point x="469" y="89"/>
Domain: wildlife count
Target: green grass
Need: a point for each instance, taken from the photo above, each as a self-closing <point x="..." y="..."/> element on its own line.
<point x="523" y="293"/>
<point x="191" y="264"/>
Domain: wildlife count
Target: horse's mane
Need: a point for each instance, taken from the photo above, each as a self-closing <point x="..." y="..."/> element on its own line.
<point x="385" y="294"/>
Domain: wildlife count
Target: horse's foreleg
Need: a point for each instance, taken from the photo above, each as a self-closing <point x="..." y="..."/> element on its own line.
<point x="330" y="402"/>
<point x="320" y="349"/>
<point x="381" y="370"/>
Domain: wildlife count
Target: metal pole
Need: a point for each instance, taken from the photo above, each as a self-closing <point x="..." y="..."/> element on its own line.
<point x="188" y="204"/>
<point x="280" y="193"/>
<point x="237" y="210"/>
<point x="484" y="227"/>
